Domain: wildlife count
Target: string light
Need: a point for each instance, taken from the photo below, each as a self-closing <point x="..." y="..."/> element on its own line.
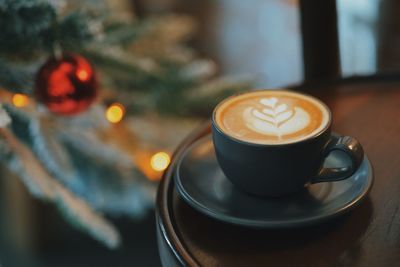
<point x="83" y="75"/>
<point x="115" y="113"/>
<point x="20" y="100"/>
<point x="160" y="161"/>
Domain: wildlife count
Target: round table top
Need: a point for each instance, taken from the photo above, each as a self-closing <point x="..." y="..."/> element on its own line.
<point x="367" y="236"/>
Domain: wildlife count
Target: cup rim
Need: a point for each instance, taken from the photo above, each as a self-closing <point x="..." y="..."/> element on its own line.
<point x="232" y="138"/>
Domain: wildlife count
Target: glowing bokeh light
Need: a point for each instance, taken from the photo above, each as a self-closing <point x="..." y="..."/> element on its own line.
<point x="115" y="113"/>
<point x="20" y="100"/>
<point x="83" y="75"/>
<point x="160" y="161"/>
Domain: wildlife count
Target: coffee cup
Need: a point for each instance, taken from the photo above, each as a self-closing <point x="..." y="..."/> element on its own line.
<point x="275" y="142"/>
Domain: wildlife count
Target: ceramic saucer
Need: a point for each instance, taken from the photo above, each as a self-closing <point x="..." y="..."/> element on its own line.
<point x="202" y="184"/>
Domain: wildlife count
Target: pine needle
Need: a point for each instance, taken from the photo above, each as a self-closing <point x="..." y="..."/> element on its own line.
<point x="41" y="184"/>
<point x="4" y="118"/>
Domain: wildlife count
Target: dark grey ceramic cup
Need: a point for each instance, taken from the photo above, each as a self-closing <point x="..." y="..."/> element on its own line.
<point x="281" y="169"/>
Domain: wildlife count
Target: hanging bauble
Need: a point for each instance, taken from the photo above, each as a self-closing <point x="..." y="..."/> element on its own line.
<point x="66" y="85"/>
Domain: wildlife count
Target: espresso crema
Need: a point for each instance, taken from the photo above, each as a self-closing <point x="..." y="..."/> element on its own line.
<point x="271" y="117"/>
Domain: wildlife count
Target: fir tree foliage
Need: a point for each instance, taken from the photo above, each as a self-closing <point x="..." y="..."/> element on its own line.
<point x="145" y="64"/>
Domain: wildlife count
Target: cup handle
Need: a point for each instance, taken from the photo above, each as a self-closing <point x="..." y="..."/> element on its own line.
<point x="352" y="148"/>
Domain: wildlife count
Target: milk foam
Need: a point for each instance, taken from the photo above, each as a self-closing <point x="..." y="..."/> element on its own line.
<point x="272" y="116"/>
<point x="275" y="119"/>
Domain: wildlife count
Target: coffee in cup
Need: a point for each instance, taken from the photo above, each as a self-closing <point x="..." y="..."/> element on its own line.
<point x="274" y="142"/>
<point x="272" y="117"/>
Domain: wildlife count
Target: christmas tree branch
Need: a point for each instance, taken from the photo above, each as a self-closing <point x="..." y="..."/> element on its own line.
<point x="101" y="174"/>
<point x="87" y="143"/>
<point x="82" y="163"/>
<point x="25" y="26"/>
<point x="43" y="186"/>
<point x="4" y="117"/>
<point x="17" y="78"/>
<point x="118" y="64"/>
<point x="51" y="153"/>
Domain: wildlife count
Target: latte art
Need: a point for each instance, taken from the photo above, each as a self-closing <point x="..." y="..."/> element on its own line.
<point x="275" y="119"/>
<point x="271" y="117"/>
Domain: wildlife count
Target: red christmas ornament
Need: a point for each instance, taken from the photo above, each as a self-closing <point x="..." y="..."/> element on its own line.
<point x="66" y="85"/>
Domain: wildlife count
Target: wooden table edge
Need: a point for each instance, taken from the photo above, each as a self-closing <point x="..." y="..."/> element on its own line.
<point x="163" y="204"/>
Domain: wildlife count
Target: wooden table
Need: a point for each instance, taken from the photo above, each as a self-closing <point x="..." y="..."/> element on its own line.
<point x="368" y="236"/>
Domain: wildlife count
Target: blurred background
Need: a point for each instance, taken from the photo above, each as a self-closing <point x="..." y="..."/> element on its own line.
<point x="161" y="65"/>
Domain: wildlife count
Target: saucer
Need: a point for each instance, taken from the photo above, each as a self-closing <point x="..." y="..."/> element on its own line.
<point x="202" y="184"/>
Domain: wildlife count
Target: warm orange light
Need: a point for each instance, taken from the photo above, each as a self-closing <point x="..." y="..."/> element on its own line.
<point x="160" y="161"/>
<point x="115" y="113"/>
<point x="20" y="100"/>
<point x="83" y="75"/>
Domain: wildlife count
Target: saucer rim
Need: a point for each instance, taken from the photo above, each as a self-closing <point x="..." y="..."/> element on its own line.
<point x="269" y="223"/>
